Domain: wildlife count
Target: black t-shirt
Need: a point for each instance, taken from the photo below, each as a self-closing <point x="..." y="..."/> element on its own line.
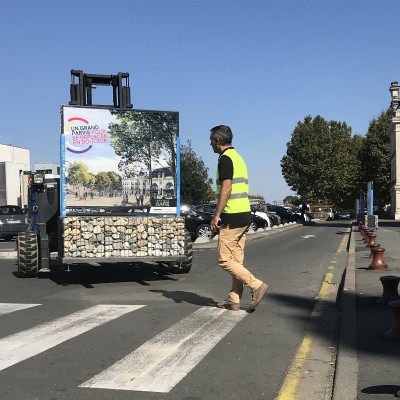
<point x="225" y="171"/>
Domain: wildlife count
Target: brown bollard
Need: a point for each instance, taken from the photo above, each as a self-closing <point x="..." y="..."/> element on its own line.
<point x="378" y="263"/>
<point x="366" y="235"/>
<point x="394" y="331"/>
<point x="371" y="240"/>
<point x="390" y="284"/>
<point x="374" y="246"/>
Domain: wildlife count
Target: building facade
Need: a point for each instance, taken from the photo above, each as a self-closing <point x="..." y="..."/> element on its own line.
<point x="14" y="161"/>
<point x="162" y="183"/>
<point x="394" y="133"/>
<point x="47" y="168"/>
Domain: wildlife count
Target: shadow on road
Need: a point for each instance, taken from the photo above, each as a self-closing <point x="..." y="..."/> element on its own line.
<point x="88" y="275"/>
<point x="381" y="389"/>
<point x="186" y="297"/>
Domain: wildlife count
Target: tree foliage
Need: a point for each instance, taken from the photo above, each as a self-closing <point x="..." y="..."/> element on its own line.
<point x="115" y="180"/>
<point x="79" y="174"/>
<point x="375" y="158"/>
<point x="103" y="181"/>
<point x="321" y="161"/>
<point x="196" y="186"/>
<point x="142" y="138"/>
<point x="293" y="200"/>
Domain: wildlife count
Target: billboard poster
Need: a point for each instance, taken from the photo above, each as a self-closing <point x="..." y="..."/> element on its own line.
<point x="121" y="160"/>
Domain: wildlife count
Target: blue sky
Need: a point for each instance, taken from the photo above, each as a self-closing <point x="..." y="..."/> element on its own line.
<point x="259" y="66"/>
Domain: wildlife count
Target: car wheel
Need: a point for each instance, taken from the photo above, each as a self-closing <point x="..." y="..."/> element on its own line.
<point x="204" y="230"/>
<point x="253" y="226"/>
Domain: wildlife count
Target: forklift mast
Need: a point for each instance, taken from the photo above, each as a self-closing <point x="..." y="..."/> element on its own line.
<point x="82" y="84"/>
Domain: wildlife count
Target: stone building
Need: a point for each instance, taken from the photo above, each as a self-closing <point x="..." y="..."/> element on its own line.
<point x="394" y="132"/>
<point x="162" y="183"/>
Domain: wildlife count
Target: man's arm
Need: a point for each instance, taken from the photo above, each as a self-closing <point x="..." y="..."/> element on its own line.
<point x="226" y="189"/>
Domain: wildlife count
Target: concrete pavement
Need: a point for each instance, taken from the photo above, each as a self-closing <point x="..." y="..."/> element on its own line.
<point x="368" y="364"/>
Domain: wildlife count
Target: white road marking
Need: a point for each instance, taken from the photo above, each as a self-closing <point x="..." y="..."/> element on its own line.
<point x="25" y="344"/>
<point x="6" y="308"/>
<point x="159" y="364"/>
<point x="308" y="236"/>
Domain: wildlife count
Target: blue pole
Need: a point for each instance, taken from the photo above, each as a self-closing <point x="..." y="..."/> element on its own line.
<point x="63" y="188"/>
<point x="178" y="177"/>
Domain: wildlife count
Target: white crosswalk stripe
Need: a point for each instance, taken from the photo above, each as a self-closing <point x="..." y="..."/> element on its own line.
<point x="6" y="308"/>
<point x="159" y="364"/>
<point x="28" y="343"/>
<point x="156" y="366"/>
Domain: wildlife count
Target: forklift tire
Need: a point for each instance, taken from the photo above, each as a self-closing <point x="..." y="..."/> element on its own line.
<point x="28" y="255"/>
<point x="184" y="266"/>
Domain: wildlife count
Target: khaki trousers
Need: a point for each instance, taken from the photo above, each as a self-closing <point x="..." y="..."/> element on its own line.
<point x="231" y="243"/>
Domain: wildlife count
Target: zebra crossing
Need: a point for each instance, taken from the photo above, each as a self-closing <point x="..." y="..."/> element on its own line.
<point x="156" y="366"/>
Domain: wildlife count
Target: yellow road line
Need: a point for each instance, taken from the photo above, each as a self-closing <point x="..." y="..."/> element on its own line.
<point x="292" y="380"/>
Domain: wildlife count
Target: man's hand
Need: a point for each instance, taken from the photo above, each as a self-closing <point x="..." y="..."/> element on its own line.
<point x="226" y="188"/>
<point x="215" y="223"/>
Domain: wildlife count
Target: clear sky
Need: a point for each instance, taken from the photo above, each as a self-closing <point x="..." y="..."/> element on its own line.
<point x="259" y="66"/>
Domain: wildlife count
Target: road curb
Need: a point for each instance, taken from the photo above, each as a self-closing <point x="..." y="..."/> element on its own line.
<point x="212" y="243"/>
<point x="346" y="370"/>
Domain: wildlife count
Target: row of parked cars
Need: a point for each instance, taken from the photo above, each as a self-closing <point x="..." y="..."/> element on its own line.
<point x="198" y="217"/>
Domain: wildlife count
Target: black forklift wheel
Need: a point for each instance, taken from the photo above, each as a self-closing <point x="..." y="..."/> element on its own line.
<point x="28" y="255"/>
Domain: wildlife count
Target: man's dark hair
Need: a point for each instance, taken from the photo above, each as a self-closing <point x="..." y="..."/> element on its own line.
<point x="223" y="133"/>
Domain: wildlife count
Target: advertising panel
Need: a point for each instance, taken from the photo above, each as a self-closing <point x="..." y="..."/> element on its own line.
<point x="119" y="161"/>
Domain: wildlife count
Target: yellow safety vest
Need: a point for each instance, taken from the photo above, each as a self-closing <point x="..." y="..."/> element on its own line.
<point x="239" y="199"/>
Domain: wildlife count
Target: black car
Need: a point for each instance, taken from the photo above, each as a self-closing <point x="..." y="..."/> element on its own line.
<point x="286" y="215"/>
<point x="12" y="221"/>
<point x="197" y="223"/>
<point x="209" y="208"/>
<point x="344" y="214"/>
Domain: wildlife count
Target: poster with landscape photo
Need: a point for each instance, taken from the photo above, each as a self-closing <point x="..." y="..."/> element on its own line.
<point x="118" y="159"/>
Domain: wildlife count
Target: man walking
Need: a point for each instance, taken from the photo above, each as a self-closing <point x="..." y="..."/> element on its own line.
<point x="233" y="218"/>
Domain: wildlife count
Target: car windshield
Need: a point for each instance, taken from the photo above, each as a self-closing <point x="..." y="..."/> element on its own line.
<point x="11" y="210"/>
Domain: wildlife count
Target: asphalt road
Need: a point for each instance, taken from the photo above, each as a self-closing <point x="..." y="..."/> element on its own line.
<point x="123" y="332"/>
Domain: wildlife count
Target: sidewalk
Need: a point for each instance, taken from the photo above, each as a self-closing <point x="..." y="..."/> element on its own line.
<point x="368" y="364"/>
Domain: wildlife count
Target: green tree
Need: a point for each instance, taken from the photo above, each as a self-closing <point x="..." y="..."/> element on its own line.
<point x="78" y="174"/>
<point x="142" y="138"/>
<point x="375" y="158"/>
<point x="103" y="181"/>
<point x="115" y="180"/>
<point x="196" y="186"/>
<point x="320" y="164"/>
<point x="294" y="200"/>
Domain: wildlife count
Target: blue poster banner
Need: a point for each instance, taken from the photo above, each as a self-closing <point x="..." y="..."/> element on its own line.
<point x="63" y="205"/>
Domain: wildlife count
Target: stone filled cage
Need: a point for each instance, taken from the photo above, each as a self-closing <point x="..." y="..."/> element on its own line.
<point x="122" y="238"/>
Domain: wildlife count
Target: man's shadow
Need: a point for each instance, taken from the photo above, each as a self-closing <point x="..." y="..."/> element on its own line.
<point x="186" y="297"/>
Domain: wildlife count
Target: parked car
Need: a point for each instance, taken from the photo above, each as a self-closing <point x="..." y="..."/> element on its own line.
<point x="12" y="221"/>
<point x="344" y="214"/>
<point x="197" y="223"/>
<point x="274" y="217"/>
<point x="260" y="214"/>
<point x="258" y="221"/>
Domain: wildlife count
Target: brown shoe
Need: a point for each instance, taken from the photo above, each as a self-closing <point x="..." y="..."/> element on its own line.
<point x="228" y="305"/>
<point x="257" y="295"/>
